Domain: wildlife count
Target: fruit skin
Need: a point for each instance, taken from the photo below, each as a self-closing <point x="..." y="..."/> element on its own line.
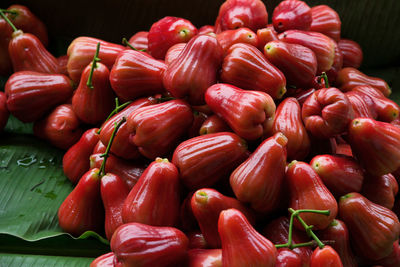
<point x="194" y="70"/>
<point x="61" y="127"/>
<point x="327" y="21"/>
<point x="288" y="121"/>
<point x="205" y="159"/>
<point x="287" y="258"/>
<point x="80" y="53"/>
<point x="372" y="228"/>
<point x="337" y="231"/>
<point x="31" y="94"/>
<point x="325" y="257"/>
<point x="375" y="144"/>
<point x="156" y="129"/>
<point x="327" y="112"/>
<point x="93" y="105"/>
<point x="136" y="244"/>
<point x="206" y="204"/>
<point x="199" y="118"/>
<point x="320" y="44"/>
<point x="27" y="53"/>
<point x="76" y="159"/>
<point x="307" y="191"/>
<point x="393" y="259"/>
<point x="113" y="193"/>
<point x="5" y="37"/>
<point x="136" y="74"/>
<point x="205" y="258"/>
<point x="363" y="105"/>
<point x="120" y="146"/>
<point x="250" y="114"/>
<point x="297" y="62"/>
<point x="206" y="29"/>
<point x="348" y="78"/>
<point x="340" y="174"/>
<point x="106" y="260"/>
<point x="166" y="32"/>
<point x="266" y="35"/>
<point x="140" y="40"/>
<point x="4" y="113"/>
<point x="259" y="179"/>
<point x="173" y="52"/>
<point x="242" y="245"/>
<point x="82" y="210"/>
<point x="196" y="240"/>
<point x="213" y="124"/>
<point x="381" y="190"/>
<point x="352" y="53"/>
<point x="242" y="35"/>
<point x="336" y="66"/>
<point x="62" y="64"/>
<point x="146" y="202"/>
<point x="234" y="14"/>
<point x="300" y="94"/>
<point x="292" y="15"/>
<point x="245" y="66"/>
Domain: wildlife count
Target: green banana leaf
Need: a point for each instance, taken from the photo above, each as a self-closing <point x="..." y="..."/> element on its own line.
<point x="25" y="260"/>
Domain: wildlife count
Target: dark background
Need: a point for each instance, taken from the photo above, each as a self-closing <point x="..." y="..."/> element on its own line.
<point x="375" y="24"/>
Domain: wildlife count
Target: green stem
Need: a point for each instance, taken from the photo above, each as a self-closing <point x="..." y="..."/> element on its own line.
<point x="9" y="11"/>
<point x="102" y="171"/>
<point x="94" y="65"/>
<point x="115" y="111"/>
<point x="306" y="244"/>
<point x="325" y="77"/>
<point x="8" y="21"/>
<point x="126" y="43"/>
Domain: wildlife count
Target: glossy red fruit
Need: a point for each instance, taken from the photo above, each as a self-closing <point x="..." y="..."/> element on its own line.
<point x="113" y="193"/>
<point x="213" y="124"/>
<point x="187" y="221"/>
<point x="169" y="31"/>
<point x="288" y="121"/>
<point x="197" y="240"/>
<point x="106" y="260"/>
<point x="393" y="259"/>
<point x="128" y="171"/>
<point x="4" y="113"/>
<point x="266" y="35"/>
<point x="136" y="244"/>
<point x="301" y="95"/>
<point x="363" y="105"/>
<point x="140" y="40"/>
<point x="198" y="119"/>
<point x="234" y="14"/>
<point x="121" y="147"/>
<point x="381" y="190"/>
<point x="250" y="114"/>
<point x="242" y="245"/>
<point x="62" y="64"/>
<point x="173" y="52"/>
<point x="387" y="110"/>
<point x="242" y="35"/>
<point x="292" y="15"/>
<point x="372" y="228"/>
<point x="82" y="210"/>
<point x="80" y="53"/>
<point x="194" y="70"/>
<point x="336" y="66"/>
<point x="297" y="62"/>
<point x="61" y="127"/>
<point x="340" y="174"/>
<point x="205" y="159"/>
<point x="348" y="78"/>
<point x="245" y="66"/>
<point x="352" y="53"/>
<point x="307" y="191"/>
<point x="146" y="202"/>
<point x="205" y="258"/>
<point x="287" y="258"/>
<point x="327" y="21"/>
<point x="5" y="37"/>
<point x="376" y="145"/>
<point x="93" y="103"/>
<point x="327" y="112"/>
<point x="337" y="232"/>
<point x="25" y="20"/>
<point x="136" y="74"/>
<point x="325" y="257"/>
<point x="206" y="29"/>
<point x="76" y="160"/>
<point x="259" y="179"/>
<point x="320" y="44"/>
<point x="206" y="205"/>
<point x="156" y="129"/>
<point x="31" y="94"/>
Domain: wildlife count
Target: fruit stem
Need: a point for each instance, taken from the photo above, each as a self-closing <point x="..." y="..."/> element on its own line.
<point x="126" y="43"/>
<point x="325" y="77"/>
<point x="7" y="20"/>
<point x="94" y="65"/>
<point x="102" y="171"/>
<point x="115" y="111"/>
<point x="9" y="11"/>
